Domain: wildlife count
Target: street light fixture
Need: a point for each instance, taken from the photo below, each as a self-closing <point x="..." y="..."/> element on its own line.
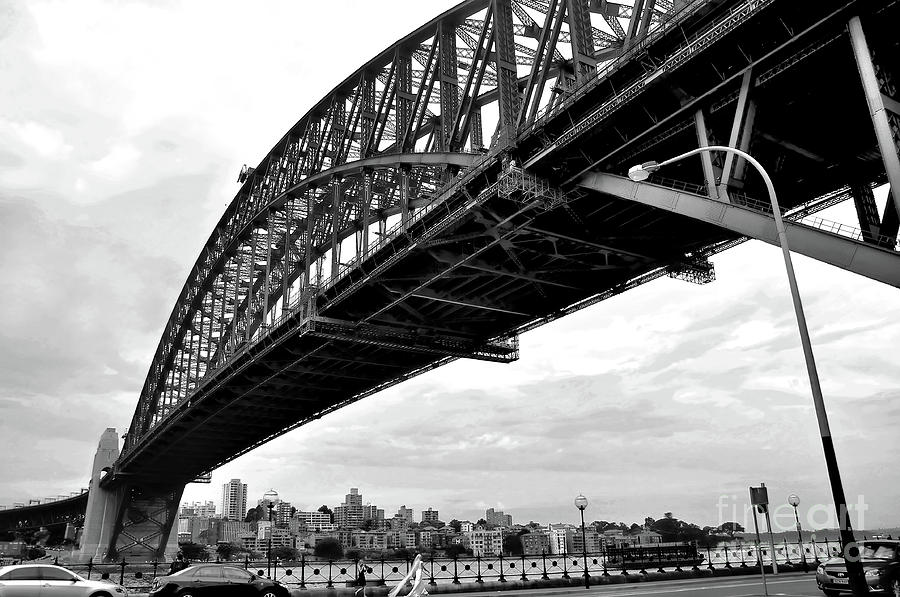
<point x="581" y="503"/>
<point x="851" y="552"/>
<point x="794" y="500"/>
<point x="271" y="507"/>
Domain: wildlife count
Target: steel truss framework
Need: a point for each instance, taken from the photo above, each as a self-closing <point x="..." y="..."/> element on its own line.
<point x="380" y="238"/>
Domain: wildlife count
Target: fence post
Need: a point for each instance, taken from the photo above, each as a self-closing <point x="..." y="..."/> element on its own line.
<point x="90" y="567"/>
<point x="431" y="582"/>
<point x="743" y="563"/>
<point x="303" y="570"/>
<point x="605" y="559"/>
<point x="246" y="562"/>
<point x="641" y="553"/>
<point x="709" y="558"/>
<point x="544" y="561"/>
<point x="155" y="565"/>
<point x="478" y="565"/>
<point x="565" y="563"/>
<point x="696" y="557"/>
<point x="727" y="563"/>
<point x="815" y="552"/>
<point x="624" y="569"/>
<point x="524" y="576"/>
<point x="122" y="572"/>
<point x="502" y="578"/>
<point x="330" y="584"/>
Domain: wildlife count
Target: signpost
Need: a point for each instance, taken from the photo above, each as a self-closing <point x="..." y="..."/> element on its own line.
<point x="759" y="499"/>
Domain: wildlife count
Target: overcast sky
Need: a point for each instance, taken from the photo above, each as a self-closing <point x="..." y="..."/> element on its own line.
<point x="122" y="128"/>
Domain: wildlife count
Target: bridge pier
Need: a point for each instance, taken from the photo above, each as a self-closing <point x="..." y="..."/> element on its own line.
<point x="103" y="504"/>
<point x="130" y="520"/>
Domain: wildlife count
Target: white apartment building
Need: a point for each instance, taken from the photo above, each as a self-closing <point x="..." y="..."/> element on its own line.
<point x="234" y="500"/>
<point x="485" y="543"/>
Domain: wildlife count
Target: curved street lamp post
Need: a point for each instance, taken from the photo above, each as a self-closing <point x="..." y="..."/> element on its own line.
<point x="854" y="567"/>
<point x="271" y="507"/>
<point x="581" y="503"/>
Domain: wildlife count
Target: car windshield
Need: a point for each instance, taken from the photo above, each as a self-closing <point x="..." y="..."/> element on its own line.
<point x="879" y="551"/>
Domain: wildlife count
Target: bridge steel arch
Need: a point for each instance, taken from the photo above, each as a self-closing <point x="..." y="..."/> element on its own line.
<point x="394" y="229"/>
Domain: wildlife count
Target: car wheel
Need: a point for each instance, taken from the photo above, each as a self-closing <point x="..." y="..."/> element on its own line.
<point x="101" y="595"/>
<point x="269" y="593"/>
<point x="186" y="594"/>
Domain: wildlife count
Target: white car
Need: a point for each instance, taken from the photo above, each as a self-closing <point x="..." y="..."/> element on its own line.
<point x="44" y="580"/>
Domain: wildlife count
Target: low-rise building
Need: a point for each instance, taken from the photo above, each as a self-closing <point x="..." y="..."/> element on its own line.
<point x="485" y="543"/>
<point x="535" y="544"/>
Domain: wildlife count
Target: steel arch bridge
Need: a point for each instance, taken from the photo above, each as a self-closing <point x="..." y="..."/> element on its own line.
<point x="465" y="185"/>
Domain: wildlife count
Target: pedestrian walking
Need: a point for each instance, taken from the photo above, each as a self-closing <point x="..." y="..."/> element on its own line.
<point x="361" y="581"/>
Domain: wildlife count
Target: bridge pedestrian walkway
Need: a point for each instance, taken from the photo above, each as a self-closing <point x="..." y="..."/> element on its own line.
<point x="830" y="242"/>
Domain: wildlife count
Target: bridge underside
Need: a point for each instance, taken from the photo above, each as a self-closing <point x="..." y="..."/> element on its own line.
<point x="463" y="282"/>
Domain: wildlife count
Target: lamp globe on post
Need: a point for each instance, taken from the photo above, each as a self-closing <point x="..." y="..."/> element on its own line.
<point x="794" y="500"/>
<point x="581" y="503"/>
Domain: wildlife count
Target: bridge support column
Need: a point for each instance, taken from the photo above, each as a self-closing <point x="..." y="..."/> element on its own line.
<point x="703" y="139"/>
<point x="103" y="504"/>
<point x="888" y="137"/>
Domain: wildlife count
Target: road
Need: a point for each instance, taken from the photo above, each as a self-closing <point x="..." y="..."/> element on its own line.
<point x="789" y="585"/>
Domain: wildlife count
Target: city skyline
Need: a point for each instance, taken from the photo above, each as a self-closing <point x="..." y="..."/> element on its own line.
<point x="115" y="167"/>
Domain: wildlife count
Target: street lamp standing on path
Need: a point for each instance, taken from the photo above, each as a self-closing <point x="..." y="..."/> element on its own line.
<point x="794" y="500"/>
<point x="271" y="507"/>
<point x="581" y="503"/>
<point x="851" y="552"/>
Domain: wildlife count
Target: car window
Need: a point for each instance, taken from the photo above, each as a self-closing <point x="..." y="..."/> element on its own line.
<point x="48" y="573"/>
<point x="30" y="573"/>
<point x="209" y="572"/>
<point x="236" y="574"/>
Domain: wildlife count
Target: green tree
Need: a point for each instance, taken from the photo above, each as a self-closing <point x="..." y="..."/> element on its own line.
<point x="454" y="550"/>
<point x="512" y="544"/>
<point x="226" y="551"/>
<point x="193" y="552"/>
<point x="353" y="554"/>
<point x="367" y="525"/>
<point x="329" y="548"/>
<point x="404" y="553"/>
<point x="284" y="553"/>
<point x="456" y="525"/>
<point x="256" y="514"/>
<point x="730" y="528"/>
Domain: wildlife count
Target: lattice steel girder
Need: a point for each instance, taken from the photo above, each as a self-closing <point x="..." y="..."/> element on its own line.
<point x="873" y="262"/>
<point x="398" y="338"/>
<point x="506" y="71"/>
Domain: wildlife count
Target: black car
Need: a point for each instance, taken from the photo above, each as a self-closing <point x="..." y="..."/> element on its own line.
<point x="881" y="563"/>
<point x="214" y="580"/>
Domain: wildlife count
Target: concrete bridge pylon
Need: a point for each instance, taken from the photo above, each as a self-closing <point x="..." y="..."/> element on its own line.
<point x="133" y="520"/>
<point x="103" y="504"/>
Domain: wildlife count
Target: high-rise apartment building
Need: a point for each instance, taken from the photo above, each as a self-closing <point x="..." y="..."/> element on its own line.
<point x="282" y="514"/>
<point x="349" y="515"/>
<point x="405" y="513"/>
<point x="370" y="512"/>
<point x="430" y="515"/>
<point x="497" y="518"/>
<point x="234" y="500"/>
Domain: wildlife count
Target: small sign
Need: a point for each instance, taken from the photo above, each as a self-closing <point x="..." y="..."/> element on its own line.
<point x="759" y="496"/>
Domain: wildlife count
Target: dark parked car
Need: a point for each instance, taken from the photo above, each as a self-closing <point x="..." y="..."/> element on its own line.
<point x="881" y="562"/>
<point x="214" y="580"/>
